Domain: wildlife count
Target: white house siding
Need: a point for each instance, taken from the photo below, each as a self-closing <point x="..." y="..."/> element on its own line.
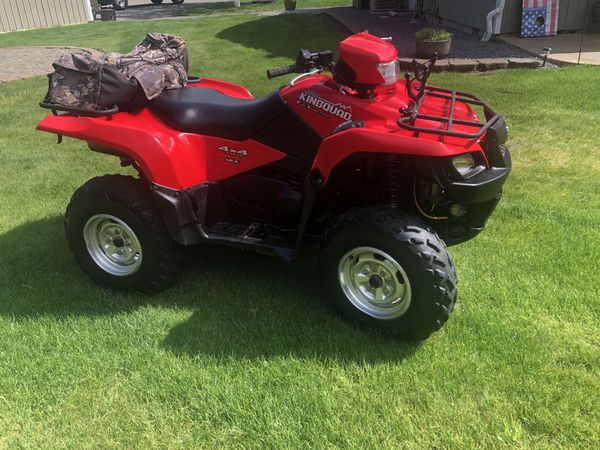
<point x="27" y="14"/>
<point x="472" y="13"/>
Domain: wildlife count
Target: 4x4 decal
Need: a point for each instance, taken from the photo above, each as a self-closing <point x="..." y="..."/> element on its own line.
<point x="313" y="102"/>
<point x="231" y="154"/>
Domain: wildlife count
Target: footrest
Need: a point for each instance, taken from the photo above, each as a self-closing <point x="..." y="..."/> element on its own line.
<point x="224" y="230"/>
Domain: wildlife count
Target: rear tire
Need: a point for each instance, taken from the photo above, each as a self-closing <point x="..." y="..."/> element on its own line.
<point x="118" y="237"/>
<point x="386" y="269"/>
<point x="120" y="5"/>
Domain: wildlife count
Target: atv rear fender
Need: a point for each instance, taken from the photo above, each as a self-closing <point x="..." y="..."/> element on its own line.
<point x="167" y="157"/>
<point x="141" y="138"/>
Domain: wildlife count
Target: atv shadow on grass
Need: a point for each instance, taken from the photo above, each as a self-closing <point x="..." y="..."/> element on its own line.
<point x="276" y="42"/>
<point x="245" y="305"/>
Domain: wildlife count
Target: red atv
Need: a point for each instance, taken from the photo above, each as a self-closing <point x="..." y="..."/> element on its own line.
<point x="377" y="172"/>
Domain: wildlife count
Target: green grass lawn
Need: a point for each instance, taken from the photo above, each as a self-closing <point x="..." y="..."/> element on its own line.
<point x="243" y="352"/>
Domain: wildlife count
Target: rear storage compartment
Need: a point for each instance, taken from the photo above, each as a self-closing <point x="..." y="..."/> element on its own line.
<point x="94" y="83"/>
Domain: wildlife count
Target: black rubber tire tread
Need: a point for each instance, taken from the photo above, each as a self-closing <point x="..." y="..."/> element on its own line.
<point x="131" y="200"/>
<point x="420" y="252"/>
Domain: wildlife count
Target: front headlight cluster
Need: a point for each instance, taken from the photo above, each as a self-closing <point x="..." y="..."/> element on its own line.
<point x="463" y="163"/>
<point x="390" y="71"/>
<point x="466" y="165"/>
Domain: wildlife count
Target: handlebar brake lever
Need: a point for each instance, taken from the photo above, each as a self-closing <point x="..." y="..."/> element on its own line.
<point x="306" y="74"/>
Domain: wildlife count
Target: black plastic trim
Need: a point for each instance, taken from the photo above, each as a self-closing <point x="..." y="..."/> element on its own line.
<point x="182" y="211"/>
<point x="480" y="194"/>
<point x="480" y="188"/>
<point x="348" y="125"/>
<point x="289" y="134"/>
<point x="312" y="187"/>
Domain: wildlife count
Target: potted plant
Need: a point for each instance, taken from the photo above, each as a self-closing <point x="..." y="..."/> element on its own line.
<point x="431" y="41"/>
<point x="290" y="5"/>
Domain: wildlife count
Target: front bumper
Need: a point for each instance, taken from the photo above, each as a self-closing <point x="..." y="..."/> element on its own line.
<point x="480" y="194"/>
<point x="484" y="186"/>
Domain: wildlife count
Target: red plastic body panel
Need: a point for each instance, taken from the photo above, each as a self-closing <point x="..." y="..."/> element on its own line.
<point x="231" y="89"/>
<point x="321" y="104"/>
<point x="380" y="139"/>
<point x="362" y="52"/>
<point x="179" y="160"/>
<point x="166" y="156"/>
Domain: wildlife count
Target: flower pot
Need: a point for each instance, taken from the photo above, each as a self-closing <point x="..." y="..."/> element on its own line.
<point x="427" y="49"/>
<point x="290" y="5"/>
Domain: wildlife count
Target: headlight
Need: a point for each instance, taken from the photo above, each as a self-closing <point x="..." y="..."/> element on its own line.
<point x="463" y="163"/>
<point x="390" y="71"/>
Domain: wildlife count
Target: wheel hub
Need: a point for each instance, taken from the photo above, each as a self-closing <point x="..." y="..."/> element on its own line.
<point x="112" y="245"/>
<point x="118" y="242"/>
<point x="375" y="283"/>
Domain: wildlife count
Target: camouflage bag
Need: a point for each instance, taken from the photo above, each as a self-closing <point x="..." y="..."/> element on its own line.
<point x="93" y="81"/>
<point x="158" y="63"/>
<point x="75" y="81"/>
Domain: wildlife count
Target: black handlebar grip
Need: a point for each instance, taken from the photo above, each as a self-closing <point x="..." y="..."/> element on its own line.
<point x="281" y="71"/>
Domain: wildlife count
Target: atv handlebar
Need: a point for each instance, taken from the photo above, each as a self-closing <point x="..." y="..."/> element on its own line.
<point x="305" y="62"/>
<point x="272" y="73"/>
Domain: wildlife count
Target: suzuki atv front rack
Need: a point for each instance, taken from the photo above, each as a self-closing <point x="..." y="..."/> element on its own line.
<point x="411" y="114"/>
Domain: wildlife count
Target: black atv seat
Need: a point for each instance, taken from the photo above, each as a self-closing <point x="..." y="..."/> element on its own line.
<point x="207" y="111"/>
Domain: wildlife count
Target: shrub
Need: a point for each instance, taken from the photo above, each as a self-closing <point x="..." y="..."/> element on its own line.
<point x="432" y="34"/>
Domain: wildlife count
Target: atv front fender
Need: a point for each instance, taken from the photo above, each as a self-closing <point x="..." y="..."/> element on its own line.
<point x="339" y="146"/>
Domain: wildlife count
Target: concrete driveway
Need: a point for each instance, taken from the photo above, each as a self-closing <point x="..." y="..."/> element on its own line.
<point x="165" y="2"/>
<point x="565" y="47"/>
<point x="145" y="9"/>
<point x="27" y="62"/>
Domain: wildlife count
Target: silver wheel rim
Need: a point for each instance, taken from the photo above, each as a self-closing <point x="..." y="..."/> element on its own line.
<point x="374" y="283"/>
<point x="113" y="245"/>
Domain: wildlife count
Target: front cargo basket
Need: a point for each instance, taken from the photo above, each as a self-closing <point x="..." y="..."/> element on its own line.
<point x="411" y="114"/>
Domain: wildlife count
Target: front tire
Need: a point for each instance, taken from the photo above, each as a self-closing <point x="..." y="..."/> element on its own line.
<point x="386" y="269"/>
<point x="118" y="237"/>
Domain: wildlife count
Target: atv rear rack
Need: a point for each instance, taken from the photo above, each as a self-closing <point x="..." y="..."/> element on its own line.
<point x="108" y="112"/>
<point x="411" y="114"/>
